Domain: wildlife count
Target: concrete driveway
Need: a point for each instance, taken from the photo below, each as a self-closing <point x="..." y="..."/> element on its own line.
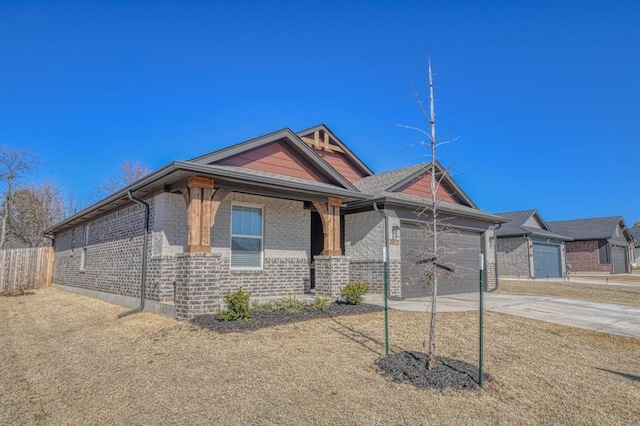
<point x="605" y="317"/>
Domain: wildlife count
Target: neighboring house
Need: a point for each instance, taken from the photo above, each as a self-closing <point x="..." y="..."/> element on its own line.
<point x="526" y="247"/>
<point x="283" y="214"/>
<point x="635" y="255"/>
<point x="602" y="244"/>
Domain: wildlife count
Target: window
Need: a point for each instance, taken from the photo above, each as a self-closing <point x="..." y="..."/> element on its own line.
<point x="85" y="243"/>
<point x="246" y="237"/>
<point x="618" y="231"/>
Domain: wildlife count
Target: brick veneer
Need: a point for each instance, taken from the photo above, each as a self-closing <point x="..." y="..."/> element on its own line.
<point x="197" y="276"/>
<point x="513" y="257"/>
<point x="371" y="272"/>
<point x="584" y="257"/>
<point x="332" y="275"/>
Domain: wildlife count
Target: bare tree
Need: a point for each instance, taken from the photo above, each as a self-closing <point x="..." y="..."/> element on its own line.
<point x="15" y="165"/>
<point x="33" y="210"/>
<point x="130" y="171"/>
<point x="435" y="250"/>
<point x="71" y="204"/>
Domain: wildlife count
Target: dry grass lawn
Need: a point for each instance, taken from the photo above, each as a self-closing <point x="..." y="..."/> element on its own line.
<point x="622" y="295"/>
<point x="66" y="359"/>
<point x="630" y="278"/>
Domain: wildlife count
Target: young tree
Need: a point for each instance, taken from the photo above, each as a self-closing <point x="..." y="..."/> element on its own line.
<point x="130" y="171"/>
<point x="15" y="165"/>
<point x="435" y="229"/>
<point x="636" y="225"/>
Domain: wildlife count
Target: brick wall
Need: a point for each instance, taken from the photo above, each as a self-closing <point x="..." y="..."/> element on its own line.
<point x="584" y="257"/>
<point x="513" y="257"/>
<point x="114" y="254"/>
<point x="278" y="277"/>
<point x="371" y="272"/>
<point x="169" y="225"/>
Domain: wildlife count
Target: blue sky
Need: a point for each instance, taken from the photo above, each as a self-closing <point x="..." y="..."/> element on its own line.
<point x="544" y="97"/>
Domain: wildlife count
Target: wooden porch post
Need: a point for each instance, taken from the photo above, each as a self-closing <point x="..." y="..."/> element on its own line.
<point x="330" y="215"/>
<point x="197" y="195"/>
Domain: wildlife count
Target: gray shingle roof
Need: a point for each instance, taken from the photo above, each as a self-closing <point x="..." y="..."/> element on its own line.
<point x="442" y="205"/>
<point x="598" y="228"/>
<point x="635" y="231"/>
<point x="382" y="181"/>
<point x="515" y="226"/>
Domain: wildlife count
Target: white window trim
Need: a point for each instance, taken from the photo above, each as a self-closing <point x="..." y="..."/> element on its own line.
<point x="231" y="235"/>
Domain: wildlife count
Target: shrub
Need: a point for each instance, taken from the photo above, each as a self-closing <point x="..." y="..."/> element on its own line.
<point x="269" y="306"/>
<point x="352" y="293"/>
<point x="237" y="307"/>
<point x="291" y="305"/>
<point x="321" y="303"/>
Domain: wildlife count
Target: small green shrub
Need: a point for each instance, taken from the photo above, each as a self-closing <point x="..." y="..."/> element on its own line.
<point x="237" y="307"/>
<point x="321" y="303"/>
<point x="291" y="305"/>
<point x="352" y="293"/>
<point x="269" y="306"/>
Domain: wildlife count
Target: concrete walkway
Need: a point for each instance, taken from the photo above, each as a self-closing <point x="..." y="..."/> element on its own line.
<point x="605" y="317"/>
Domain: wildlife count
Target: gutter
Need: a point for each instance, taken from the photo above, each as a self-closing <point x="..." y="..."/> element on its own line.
<point x="143" y="275"/>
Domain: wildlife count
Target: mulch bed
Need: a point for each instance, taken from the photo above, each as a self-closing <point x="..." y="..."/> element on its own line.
<point x="16" y="293"/>
<point x="411" y="367"/>
<point x="271" y="319"/>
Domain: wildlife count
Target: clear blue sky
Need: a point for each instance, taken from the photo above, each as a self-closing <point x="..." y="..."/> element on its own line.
<point x="543" y="96"/>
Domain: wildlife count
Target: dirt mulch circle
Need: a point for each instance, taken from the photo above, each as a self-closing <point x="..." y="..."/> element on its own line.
<point x="16" y="293"/>
<point x="271" y="319"/>
<point x="411" y="367"/>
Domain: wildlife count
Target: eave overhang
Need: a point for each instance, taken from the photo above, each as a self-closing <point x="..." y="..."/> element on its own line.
<point x="173" y="176"/>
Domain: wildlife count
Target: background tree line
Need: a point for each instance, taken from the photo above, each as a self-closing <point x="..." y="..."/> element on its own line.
<point x="29" y="208"/>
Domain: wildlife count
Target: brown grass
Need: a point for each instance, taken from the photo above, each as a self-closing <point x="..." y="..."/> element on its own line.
<point x="66" y="359"/>
<point x="623" y="295"/>
<point x="631" y="278"/>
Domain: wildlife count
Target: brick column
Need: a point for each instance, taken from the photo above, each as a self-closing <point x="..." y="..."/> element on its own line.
<point x="197" y="278"/>
<point x="332" y="275"/>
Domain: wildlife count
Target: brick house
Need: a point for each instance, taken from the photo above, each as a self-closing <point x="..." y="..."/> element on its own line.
<point x="526" y="247"/>
<point x="283" y="214"/>
<point x="602" y="244"/>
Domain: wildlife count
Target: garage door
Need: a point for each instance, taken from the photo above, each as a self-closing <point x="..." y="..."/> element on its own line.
<point x="619" y="259"/>
<point x="463" y="250"/>
<point x="546" y="261"/>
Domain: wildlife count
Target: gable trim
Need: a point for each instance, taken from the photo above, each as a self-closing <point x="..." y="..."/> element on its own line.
<point x="350" y="154"/>
<point x="447" y="177"/>
<point x="295" y="142"/>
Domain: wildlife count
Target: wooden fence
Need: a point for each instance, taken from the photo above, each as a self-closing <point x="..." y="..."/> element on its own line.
<point x="26" y="268"/>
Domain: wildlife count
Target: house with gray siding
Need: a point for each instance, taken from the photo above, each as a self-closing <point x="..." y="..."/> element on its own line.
<point x="282" y="214"/>
<point x="602" y="244"/>
<point x="526" y="247"/>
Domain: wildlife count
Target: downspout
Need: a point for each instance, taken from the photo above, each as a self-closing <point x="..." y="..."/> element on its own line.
<point x="143" y="275"/>
<point x="386" y="277"/>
